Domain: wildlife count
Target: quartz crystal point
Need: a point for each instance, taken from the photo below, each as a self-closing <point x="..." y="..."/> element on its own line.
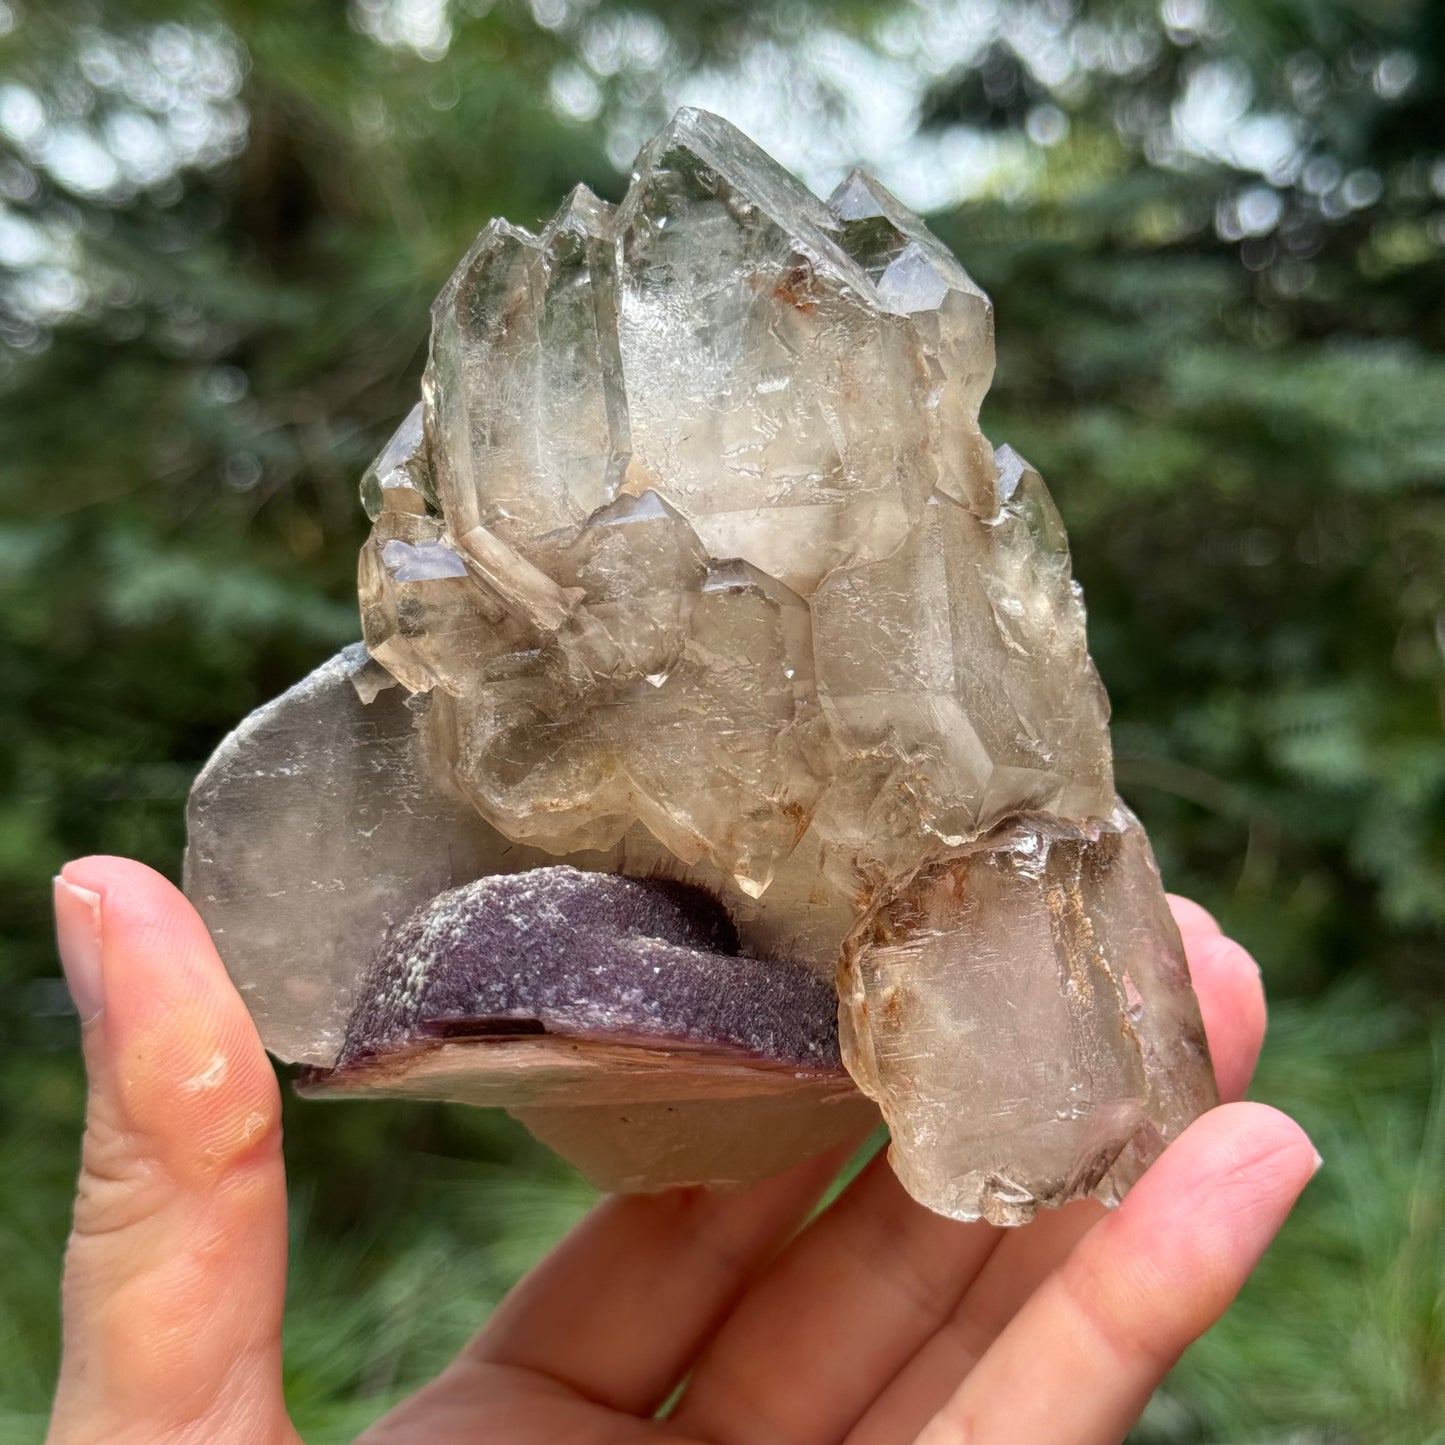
<point x="1040" y="1100"/>
<point x="694" y="563"/>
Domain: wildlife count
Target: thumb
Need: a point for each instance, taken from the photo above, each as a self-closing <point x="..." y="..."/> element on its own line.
<point x="176" y="1268"/>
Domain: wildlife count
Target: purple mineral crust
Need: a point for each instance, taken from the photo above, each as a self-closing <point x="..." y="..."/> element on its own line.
<point x="652" y="962"/>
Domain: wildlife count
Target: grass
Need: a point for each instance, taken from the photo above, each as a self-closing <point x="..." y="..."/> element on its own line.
<point x="409" y="1223"/>
<point x="1339" y="1339"/>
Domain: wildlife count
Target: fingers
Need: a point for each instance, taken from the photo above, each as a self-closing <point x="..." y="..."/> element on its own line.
<point x="1231" y="1002"/>
<point x="618" y="1311"/>
<point x="1190" y="917"/>
<point x="1079" y="1361"/>
<point x="884" y="1274"/>
<point x="1231" y="996"/>
<point x="839" y="1313"/>
<point x="175" y="1271"/>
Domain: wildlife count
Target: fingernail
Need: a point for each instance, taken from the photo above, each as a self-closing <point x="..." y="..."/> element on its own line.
<point x="77" y="932"/>
<point x="1319" y="1163"/>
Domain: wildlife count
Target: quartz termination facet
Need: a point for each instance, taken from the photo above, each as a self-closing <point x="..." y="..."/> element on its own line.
<point x="694" y="552"/>
<point x="697" y="529"/>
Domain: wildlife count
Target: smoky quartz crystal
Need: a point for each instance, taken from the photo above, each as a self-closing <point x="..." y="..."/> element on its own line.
<point x="716" y="669"/>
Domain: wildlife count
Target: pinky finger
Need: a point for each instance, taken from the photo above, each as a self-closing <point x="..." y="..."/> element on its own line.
<point x="1078" y="1363"/>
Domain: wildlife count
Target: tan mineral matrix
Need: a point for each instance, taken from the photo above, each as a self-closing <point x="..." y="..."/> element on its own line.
<point x="693" y="567"/>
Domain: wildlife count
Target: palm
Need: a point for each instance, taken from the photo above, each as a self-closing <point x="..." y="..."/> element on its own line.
<point x="523" y="1408"/>
<point x="876" y="1324"/>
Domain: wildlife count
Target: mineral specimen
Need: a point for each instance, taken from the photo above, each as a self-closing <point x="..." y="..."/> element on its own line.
<point x="630" y="992"/>
<point x="694" y="565"/>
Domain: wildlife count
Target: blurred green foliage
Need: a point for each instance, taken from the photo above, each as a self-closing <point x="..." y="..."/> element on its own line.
<point x="1214" y="231"/>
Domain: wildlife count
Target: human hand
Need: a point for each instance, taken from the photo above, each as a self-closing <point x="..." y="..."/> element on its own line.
<point x="879" y="1324"/>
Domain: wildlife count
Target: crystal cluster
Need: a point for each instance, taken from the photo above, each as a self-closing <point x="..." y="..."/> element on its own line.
<point x="694" y="557"/>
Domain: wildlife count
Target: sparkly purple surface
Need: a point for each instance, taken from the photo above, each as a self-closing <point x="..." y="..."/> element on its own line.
<point x="588" y="955"/>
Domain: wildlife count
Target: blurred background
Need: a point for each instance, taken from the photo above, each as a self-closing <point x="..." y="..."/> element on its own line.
<point x="1214" y="231"/>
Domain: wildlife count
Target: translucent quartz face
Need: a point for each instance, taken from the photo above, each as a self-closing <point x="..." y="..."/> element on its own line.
<point x="693" y="556"/>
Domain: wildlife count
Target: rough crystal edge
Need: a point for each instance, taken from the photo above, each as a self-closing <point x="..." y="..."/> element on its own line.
<point x="907" y="222"/>
<point x="1102" y="1170"/>
<point x="750" y="170"/>
<point x="353" y="664"/>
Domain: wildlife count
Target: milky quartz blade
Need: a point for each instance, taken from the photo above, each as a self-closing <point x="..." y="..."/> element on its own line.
<point x="729" y="1142"/>
<point x="314" y="827"/>
<point x="632" y="1119"/>
<point x="1024" y="1019"/>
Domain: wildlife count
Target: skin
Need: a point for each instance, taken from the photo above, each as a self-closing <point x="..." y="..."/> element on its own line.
<point x="879" y="1323"/>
